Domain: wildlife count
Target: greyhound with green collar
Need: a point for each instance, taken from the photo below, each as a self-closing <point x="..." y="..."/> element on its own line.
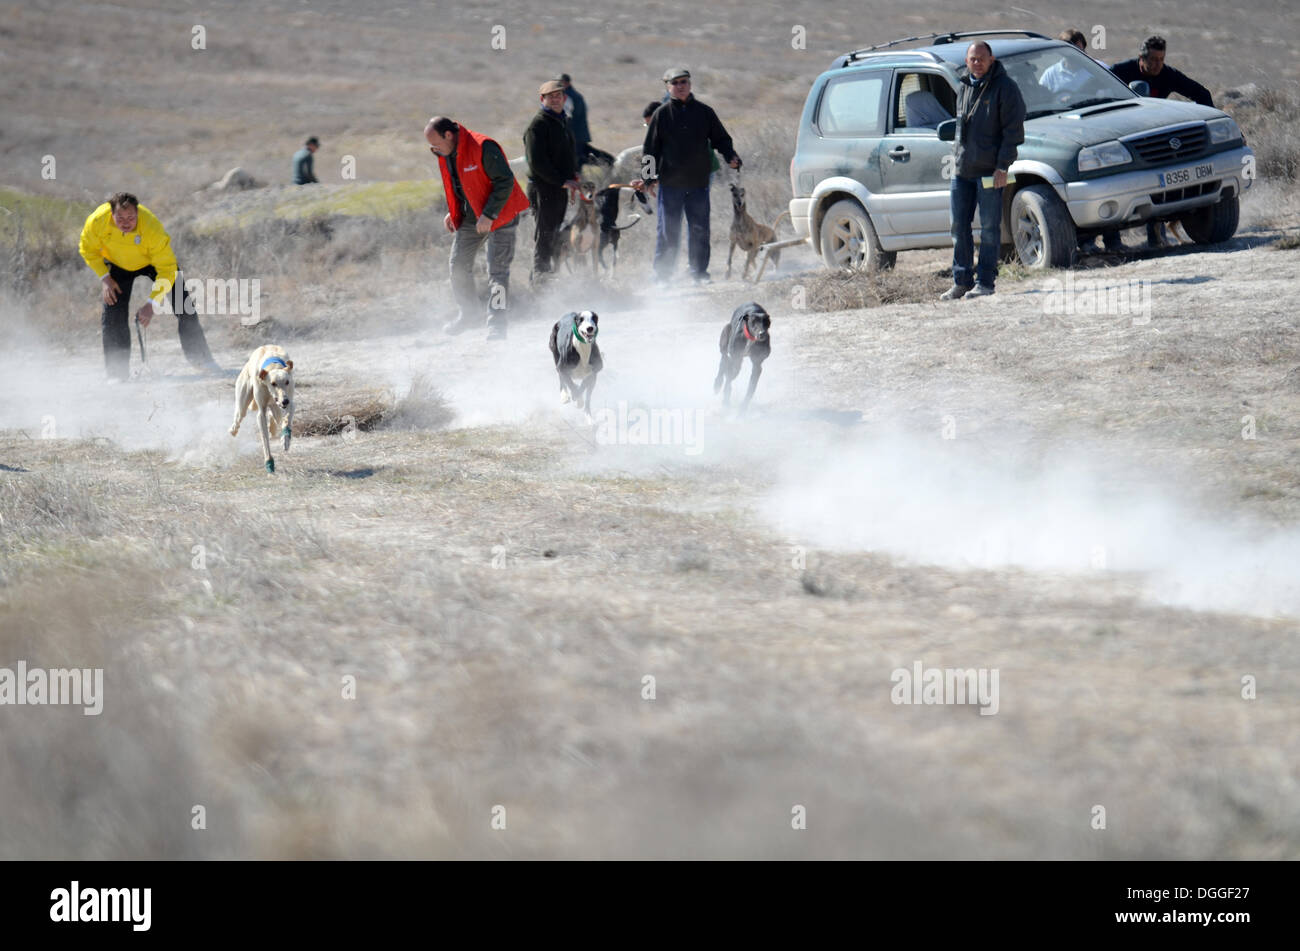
<point x="267" y="380"/>
<point x="573" y="347"/>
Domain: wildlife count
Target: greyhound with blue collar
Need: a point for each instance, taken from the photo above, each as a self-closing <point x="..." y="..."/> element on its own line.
<point x="267" y="380"/>
<point x="573" y="346"/>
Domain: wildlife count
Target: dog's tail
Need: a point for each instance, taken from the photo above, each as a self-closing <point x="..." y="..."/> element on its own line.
<point x="635" y="219"/>
<point x="784" y="214"/>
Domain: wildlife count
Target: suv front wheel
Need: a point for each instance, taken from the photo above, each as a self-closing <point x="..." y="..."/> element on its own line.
<point x="1214" y="224"/>
<point x="1042" y="228"/>
<point x="849" y="241"/>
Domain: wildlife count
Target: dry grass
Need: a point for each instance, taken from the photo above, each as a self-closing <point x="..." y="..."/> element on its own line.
<point x="827" y="290"/>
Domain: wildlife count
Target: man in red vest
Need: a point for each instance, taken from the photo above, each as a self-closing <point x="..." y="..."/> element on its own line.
<point x="483" y="203"/>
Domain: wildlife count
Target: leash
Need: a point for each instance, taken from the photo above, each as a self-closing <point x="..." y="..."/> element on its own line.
<point x="139" y="336"/>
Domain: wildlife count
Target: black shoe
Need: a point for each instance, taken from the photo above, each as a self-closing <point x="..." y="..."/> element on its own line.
<point x="956" y="292"/>
<point x="1112" y="243"/>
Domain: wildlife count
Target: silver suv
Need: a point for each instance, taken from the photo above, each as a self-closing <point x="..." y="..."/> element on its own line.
<point x="873" y="162"/>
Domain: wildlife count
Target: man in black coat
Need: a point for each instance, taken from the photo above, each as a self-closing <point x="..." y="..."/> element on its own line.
<point x="552" y="168"/>
<point x="679" y="139"/>
<point x="1150" y="68"/>
<point x="990" y="127"/>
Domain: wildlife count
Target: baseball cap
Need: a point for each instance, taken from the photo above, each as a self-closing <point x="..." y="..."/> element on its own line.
<point x="677" y="72"/>
<point x="551" y="85"/>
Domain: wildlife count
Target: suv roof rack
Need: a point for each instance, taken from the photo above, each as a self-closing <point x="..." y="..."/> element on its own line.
<point x="939" y="39"/>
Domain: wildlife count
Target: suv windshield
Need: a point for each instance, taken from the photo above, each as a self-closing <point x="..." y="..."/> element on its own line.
<point x="1061" y="78"/>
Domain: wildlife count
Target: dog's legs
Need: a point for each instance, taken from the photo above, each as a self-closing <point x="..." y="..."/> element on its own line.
<point x="588" y="385"/>
<point x="729" y="254"/>
<point x="262" y="410"/>
<point x="566" y="387"/>
<point x="749" y="262"/>
<point x="722" y="373"/>
<point x="276" y="420"/>
<point x="243" y="400"/>
<point x="288" y="426"/>
<point x="754" y="374"/>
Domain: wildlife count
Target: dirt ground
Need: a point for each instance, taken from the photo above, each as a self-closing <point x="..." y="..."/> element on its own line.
<point x="618" y="642"/>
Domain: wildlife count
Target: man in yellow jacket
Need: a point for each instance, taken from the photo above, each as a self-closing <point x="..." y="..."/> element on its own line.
<point x="121" y="241"/>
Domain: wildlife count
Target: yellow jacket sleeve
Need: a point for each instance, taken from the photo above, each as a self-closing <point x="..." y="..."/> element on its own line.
<point x="91" y="245"/>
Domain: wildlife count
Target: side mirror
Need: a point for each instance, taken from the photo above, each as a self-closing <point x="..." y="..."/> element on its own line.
<point x="947" y="130"/>
<point x="1140" y="86"/>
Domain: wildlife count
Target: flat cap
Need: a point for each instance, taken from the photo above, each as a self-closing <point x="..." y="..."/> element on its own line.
<point x="551" y="85"/>
<point x="677" y="72"/>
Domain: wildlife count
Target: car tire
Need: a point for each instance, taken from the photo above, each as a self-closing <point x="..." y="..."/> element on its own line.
<point x="849" y="241"/>
<point x="1041" y="228"/>
<point x="1214" y="224"/>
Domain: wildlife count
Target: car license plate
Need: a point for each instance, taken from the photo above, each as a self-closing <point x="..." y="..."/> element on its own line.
<point x="1184" y="176"/>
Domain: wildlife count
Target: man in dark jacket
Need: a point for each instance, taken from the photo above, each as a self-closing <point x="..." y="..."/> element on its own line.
<point x="575" y="107"/>
<point x="678" y="141"/>
<point x="1151" y="69"/>
<point x="303" y="173"/>
<point x="552" y="168"/>
<point x="990" y="125"/>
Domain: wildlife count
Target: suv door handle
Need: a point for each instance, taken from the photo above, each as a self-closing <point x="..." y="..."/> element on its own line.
<point x="899" y="152"/>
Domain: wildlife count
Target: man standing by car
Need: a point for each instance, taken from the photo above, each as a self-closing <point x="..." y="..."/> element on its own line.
<point x="1150" y="68"/>
<point x="483" y="203"/>
<point x="990" y="125"/>
<point x="552" y="168"/>
<point x="678" y="139"/>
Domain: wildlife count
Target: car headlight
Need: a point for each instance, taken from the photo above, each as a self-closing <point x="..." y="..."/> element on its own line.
<point x="1103" y="156"/>
<point x="1223" y="130"/>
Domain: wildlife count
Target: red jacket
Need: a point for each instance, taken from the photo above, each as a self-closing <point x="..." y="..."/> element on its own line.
<point x="475" y="182"/>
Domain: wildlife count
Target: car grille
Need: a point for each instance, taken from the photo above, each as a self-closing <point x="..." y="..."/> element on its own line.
<point x="1183" y="194"/>
<point x="1157" y="150"/>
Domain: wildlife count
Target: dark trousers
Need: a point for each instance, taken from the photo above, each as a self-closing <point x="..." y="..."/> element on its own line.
<point x="548" y="203"/>
<point x="964" y="196"/>
<point x="672" y="204"/>
<point x="115" y="321"/>
<point x="500" y="252"/>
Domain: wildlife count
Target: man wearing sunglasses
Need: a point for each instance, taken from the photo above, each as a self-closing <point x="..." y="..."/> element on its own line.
<point x="679" y="138"/>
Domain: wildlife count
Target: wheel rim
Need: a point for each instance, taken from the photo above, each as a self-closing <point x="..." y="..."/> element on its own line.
<point x="848" y="243"/>
<point x="1029" y="238"/>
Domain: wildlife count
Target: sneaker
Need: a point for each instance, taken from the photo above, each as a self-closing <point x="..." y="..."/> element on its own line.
<point x="980" y="290"/>
<point x="956" y="292"/>
<point x="1112" y="242"/>
<point x="701" y="279"/>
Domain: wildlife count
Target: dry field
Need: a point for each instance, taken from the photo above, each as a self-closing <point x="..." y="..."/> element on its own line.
<point x="449" y="598"/>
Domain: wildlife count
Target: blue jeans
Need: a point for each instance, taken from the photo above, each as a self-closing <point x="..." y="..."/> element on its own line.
<point x="965" y="194"/>
<point x="672" y="202"/>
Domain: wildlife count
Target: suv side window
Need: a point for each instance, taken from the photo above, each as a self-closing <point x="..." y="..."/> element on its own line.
<point x="853" y="106"/>
<point x="921" y="101"/>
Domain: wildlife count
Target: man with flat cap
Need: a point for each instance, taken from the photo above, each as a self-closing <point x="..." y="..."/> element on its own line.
<point x="552" y="168"/>
<point x="679" y="139"/>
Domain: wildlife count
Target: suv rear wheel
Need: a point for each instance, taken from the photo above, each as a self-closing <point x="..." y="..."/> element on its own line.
<point x="849" y="241"/>
<point x="1214" y="224"/>
<point x="1042" y="228"/>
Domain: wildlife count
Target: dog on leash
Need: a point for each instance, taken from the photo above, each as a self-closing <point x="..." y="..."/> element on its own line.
<point x="267" y="381"/>
<point x="583" y="229"/>
<point x="607" y="206"/>
<point x="748" y="234"/>
<point x="573" y="347"/>
<point x="747" y="334"/>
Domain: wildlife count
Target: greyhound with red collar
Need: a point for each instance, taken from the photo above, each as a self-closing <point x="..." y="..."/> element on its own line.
<point x="267" y="380"/>
<point x="745" y="335"/>
<point x="573" y="347"/>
